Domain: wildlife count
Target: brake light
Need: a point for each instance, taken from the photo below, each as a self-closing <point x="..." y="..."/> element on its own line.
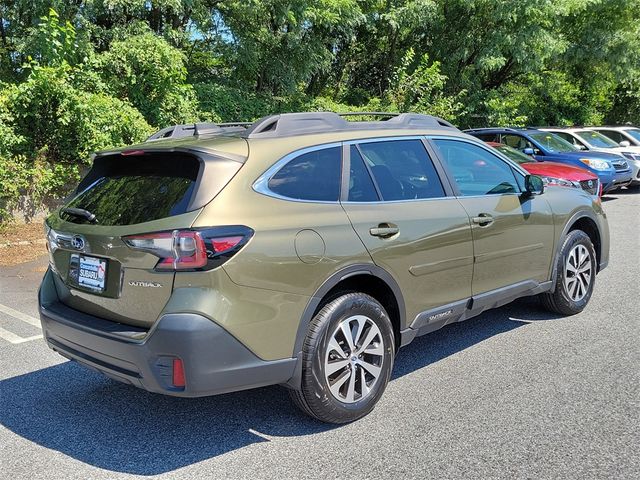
<point x="128" y="153"/>
<point x="191" y="249"/>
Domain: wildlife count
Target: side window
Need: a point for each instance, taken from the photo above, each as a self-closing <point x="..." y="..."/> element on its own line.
<point x="567" y="137"/>
<point x="613" y="135"/>
<point x="516" y="141"/>
<point x="402" y="169"/>
<point x="488" y="137"/>
<point x="313" y="176"/>
<point x="571" y="139"/>
<point x="361" y="188"/>
<point x="475" y="170"/>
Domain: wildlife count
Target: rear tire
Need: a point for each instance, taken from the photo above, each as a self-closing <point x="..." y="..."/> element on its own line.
<point x="347" y="359"/>
<point x="576" y="275"/>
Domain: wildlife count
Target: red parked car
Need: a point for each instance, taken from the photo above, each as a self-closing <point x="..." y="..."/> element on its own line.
<point x="553" y="173"/>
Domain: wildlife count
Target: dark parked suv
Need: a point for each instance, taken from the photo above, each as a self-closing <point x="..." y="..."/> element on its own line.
<point x="304" y="250"/>
<point x="612" y="170"/>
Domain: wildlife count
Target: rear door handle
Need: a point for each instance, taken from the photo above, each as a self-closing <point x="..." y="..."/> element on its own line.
<point x="384" y="230"/>
<point x="483" y="219"/>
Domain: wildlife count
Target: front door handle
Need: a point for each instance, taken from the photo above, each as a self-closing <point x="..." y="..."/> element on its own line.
<point x="384" y="230"/>
<point x="483" y="219"/>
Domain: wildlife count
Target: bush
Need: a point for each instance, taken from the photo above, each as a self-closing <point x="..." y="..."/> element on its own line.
<point x="49" y="130"/>
<point x="151" y="75"/>
<point x="226" y="104"/>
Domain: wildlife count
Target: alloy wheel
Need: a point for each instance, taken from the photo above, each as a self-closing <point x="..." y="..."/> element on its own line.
<point x="577" y="272"/>
<point x="353" y="359"/>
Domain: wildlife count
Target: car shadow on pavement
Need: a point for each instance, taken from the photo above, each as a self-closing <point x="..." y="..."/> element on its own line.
<point x="428" y="349"/>
<point x="120" y="428"/>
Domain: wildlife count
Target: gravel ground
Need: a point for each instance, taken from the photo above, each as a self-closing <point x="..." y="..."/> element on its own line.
<point x="514" y="393"/>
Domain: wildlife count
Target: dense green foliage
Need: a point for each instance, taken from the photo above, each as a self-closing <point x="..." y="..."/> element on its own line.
<point x="85" y="75"/>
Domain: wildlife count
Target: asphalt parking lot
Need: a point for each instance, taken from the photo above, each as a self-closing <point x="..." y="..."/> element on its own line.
<point x="514" y="393"/>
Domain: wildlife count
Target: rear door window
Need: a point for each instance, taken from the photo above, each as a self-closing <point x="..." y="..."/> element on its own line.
<point x="312" y="176"/>
<point x="402" y="169"/>
<point x="131" y="190"/>
<point x="488" y="137"/>
<point x="516" y="141"/>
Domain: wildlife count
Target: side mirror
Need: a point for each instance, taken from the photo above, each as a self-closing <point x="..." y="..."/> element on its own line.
<point x="533" y="185"/>
<point x="528" y="151"/>
<point x="625" y="143"/>
<point x="581" y="147"/>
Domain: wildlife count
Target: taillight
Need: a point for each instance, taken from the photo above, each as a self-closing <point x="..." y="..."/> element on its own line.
<point x="201" y="249"/>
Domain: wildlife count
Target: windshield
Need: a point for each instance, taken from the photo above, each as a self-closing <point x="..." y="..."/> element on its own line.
<point x="634" y="132"/>
<point x="513" y="154"/>
<point x="596" y="139"/>
<point x="552" y="142"/>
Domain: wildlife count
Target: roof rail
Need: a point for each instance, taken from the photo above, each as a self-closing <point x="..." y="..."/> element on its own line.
<point x="556" y="127"/>
<point x="484" y="129"/>
<point x="196" y="129"/>
<point x="290" y="124"/>
<point x="369" y="114"/>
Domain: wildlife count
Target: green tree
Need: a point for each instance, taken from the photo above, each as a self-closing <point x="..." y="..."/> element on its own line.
<point x="150" y="74"/>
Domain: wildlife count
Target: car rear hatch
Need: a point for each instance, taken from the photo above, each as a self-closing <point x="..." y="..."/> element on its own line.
<point x="131" y="194"/>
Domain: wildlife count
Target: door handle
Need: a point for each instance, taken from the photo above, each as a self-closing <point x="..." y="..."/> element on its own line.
<point x="384" y="230"/>
<point x="483" y="219"/>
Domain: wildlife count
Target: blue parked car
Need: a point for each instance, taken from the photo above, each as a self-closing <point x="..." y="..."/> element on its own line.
<point x="612" y="170"/>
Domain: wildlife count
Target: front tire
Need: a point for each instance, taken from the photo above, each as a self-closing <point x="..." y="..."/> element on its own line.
<point x="347" y="359"/>
<point x="576" y="275"/>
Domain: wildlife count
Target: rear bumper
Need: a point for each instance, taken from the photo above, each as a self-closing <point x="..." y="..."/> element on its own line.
<point x="214" y="361"/>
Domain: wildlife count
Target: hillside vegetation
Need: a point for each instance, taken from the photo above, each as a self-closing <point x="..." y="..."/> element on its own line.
<point x="79" y="76"/>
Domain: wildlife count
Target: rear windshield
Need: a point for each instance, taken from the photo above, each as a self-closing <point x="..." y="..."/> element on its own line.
<point x="128" y="190"/>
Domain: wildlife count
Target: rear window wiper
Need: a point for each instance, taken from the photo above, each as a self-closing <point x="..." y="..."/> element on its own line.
<point x="80" y="213"/>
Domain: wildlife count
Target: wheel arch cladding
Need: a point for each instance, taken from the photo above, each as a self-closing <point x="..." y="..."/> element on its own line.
<point x="369" y="279"/>
<point x="590" y="227"/>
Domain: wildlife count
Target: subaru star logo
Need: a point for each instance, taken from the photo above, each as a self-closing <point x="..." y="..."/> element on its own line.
<point x="77" y="242"/>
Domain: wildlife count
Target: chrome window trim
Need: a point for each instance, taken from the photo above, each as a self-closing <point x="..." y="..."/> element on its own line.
<point x="261" y="185"/>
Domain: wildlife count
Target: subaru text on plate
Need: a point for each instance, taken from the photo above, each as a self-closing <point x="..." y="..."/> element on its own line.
<point x="302" y="250"/>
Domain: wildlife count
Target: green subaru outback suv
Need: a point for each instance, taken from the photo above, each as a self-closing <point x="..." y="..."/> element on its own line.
<point x="302" y="250"/>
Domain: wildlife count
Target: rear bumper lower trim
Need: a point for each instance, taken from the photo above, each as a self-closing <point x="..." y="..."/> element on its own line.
<point x="214" y="361"/>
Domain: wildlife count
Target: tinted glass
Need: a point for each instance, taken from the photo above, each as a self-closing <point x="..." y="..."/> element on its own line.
<point x="130" y="190"/>
<point x="313" y="176"/>
<point x="487" y="137"/>
<point x="361" y="188"/>
<point x="613" y="135"/>
<point x="476" y="170"/>
<point x="402" y="169"/>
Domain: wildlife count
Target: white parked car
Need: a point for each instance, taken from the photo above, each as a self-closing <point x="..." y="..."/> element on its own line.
<point x="592" y="139"/>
